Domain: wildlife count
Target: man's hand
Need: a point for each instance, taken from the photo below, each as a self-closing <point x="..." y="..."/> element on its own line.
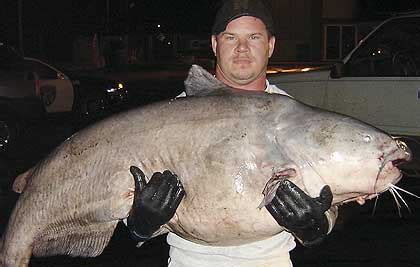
<point x="300" y="214"/>
<point x="154" y="203"/>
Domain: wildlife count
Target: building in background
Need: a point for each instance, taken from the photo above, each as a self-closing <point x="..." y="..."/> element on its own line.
<point x="318" y="30"/>
<point x="326" y="30"/>
<point x="96" y="33"/>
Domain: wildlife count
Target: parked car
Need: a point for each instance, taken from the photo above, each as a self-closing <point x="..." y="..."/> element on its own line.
<point x="32" y="90"/>
<point x="377" y="82"/>
<point x="55" y="88"/>
<point x="19" y="94"/>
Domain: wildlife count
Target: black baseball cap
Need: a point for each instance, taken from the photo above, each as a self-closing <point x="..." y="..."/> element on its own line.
<point x="233" y="9"/>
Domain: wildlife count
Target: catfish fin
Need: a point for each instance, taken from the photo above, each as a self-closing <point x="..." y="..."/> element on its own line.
<point x="271" y="186"/>
<point x="201" y="83"/>
<point x="21" y="180"/>
<point x="75" y="240"/>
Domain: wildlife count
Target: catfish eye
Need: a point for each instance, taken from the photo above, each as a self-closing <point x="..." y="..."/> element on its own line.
<point x="367" y="138"/>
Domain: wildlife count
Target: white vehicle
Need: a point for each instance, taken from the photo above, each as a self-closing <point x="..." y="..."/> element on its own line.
<point x="32" y="90"/>
<point x="55" y="88"/>
<point x="378" y="81"/>
<point x="29" y="89"/>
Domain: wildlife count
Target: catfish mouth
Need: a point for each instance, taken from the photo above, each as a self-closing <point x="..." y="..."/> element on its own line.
<point x="399" y="162"/>
<point x="388" y="173"/>
<point x="401" y="155"/>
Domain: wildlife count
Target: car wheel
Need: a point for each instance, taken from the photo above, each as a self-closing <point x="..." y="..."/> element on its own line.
<point x="8" y="133"/>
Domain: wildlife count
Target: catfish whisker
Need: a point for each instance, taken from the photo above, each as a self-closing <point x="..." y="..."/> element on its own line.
<point x="379" y="173"/>
<point x="402" y="199"/>
<point x="391" y="190"/>
<point x="403" y="190"/>
<point x="374" y="206"/>
<point x="376" y="193"/>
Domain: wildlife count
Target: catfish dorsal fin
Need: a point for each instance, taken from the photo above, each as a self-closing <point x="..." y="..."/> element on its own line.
<point x="201" y="83"/>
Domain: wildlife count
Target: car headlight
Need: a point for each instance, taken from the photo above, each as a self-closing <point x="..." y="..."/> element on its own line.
<point x="115" y="88"/>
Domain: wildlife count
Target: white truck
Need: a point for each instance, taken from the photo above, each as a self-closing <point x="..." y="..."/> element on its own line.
<point x="377" y="82"/>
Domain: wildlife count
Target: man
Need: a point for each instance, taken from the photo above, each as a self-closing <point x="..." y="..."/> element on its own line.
<point x="242" y="41"/>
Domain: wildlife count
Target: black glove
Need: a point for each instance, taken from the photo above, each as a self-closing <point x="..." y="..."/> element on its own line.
<point x="300" y="214"/>
<point x="154" y="203"/>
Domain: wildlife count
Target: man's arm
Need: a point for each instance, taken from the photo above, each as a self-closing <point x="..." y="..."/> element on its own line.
<point x="308" y="219"/>
<point x="154" y="203"/>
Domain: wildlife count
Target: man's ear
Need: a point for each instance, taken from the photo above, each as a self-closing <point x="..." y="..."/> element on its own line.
<point x="271" y="45"/>
<point x="214" y="44"/>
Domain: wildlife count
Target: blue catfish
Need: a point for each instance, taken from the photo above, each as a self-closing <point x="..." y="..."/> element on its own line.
<point x="230" y="150"/>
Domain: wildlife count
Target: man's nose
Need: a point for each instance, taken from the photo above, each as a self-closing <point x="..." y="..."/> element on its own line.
<point x="242" y="46"/>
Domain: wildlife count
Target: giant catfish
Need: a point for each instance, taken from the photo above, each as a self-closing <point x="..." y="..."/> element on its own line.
<point x="229" y="149"/>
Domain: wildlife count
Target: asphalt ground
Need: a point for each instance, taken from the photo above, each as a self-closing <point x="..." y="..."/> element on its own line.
<point x="360" y="238"/>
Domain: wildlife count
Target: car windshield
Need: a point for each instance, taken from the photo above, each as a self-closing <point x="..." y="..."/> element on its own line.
<point x="391" y="51"/>
<point x="44" y="72"/>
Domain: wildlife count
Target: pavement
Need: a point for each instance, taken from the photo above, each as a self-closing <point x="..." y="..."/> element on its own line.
<point x="359" y="238"/>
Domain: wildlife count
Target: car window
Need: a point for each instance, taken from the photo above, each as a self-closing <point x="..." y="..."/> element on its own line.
<point x="43" y="71"/>
<point x="392" y="51"/>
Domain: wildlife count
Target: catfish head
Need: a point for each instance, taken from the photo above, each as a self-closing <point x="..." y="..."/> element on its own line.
<point x="356" y="160"/>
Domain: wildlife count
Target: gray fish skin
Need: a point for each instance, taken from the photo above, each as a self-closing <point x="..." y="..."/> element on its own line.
<point x="226" y="149"/>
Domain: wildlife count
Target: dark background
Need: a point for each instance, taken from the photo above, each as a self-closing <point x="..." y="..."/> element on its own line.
<point x="359" y="238"/>
<point x="49" y="27"/>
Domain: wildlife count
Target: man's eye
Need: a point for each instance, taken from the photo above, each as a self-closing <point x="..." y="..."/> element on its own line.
<point x="255" y="37"/>
<point x="230" y="38"/>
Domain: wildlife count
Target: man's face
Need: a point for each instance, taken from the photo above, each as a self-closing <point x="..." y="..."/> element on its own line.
<point x="243" y="50"/>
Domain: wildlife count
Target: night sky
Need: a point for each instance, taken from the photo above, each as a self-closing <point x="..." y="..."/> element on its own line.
<point x="49" y="24"/>
<point x="84" y="17"/>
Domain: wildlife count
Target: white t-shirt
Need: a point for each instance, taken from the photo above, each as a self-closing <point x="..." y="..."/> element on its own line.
<point x="271" y="252"/>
